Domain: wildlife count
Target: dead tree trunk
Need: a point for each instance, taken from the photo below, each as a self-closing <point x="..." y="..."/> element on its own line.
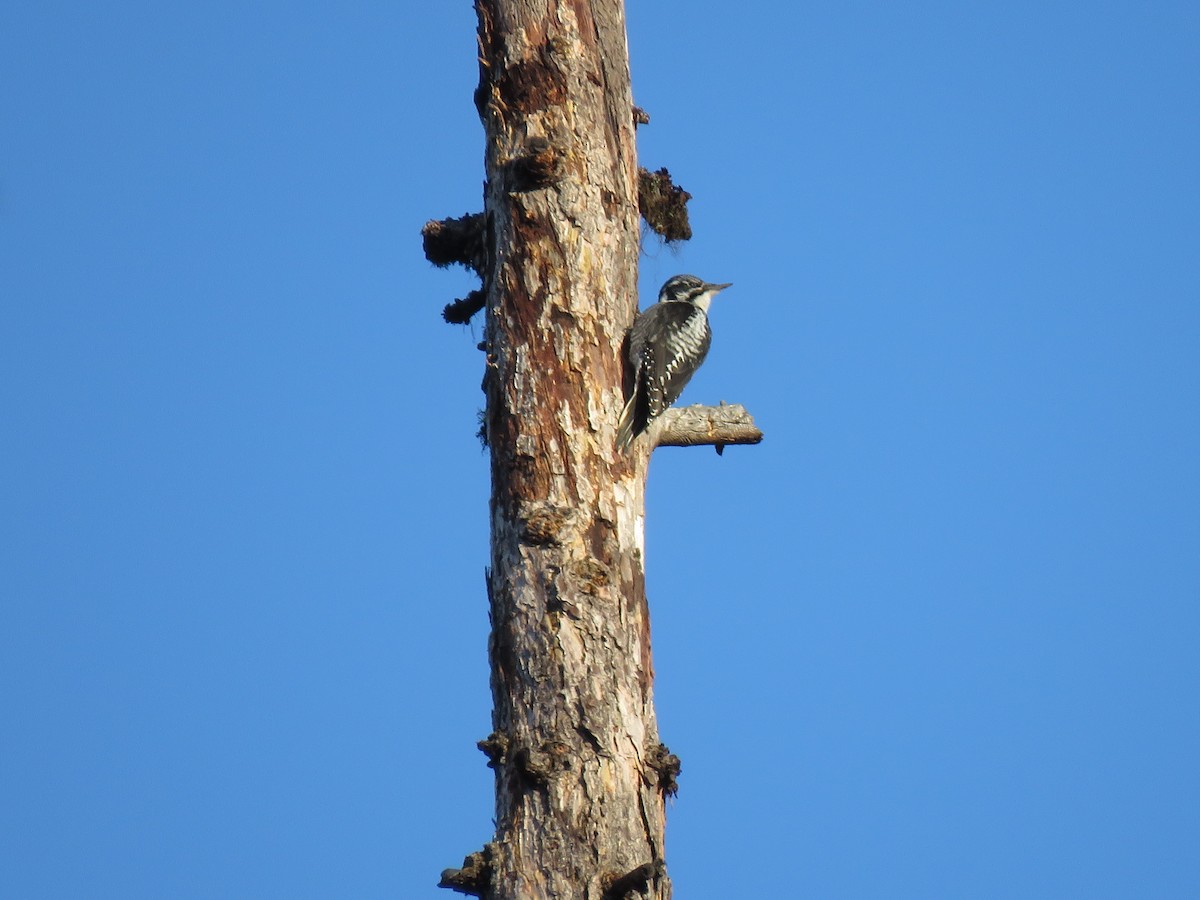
<point x="578" y="801"/>
<point x="580" y="772"/>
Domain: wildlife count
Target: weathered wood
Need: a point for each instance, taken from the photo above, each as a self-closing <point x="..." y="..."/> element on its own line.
<point x="575" y="743"/>
<point x="693" y="426"/>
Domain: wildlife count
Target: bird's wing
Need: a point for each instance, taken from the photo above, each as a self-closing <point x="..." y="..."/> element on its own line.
<point x="671" y="345"/>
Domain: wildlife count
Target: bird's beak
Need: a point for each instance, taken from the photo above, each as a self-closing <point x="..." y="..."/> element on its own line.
<point x="714" y="288"/>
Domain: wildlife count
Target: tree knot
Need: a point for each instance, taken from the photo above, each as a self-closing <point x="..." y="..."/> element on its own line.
<point x="637" y="881"/>
<point x="537" y="767"/>
<point x="542" y="524"/>
<point x="494" y="747"/>
<point x="539" y="165"/>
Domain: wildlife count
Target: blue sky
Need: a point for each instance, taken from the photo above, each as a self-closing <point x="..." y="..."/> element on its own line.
<point x="935" y="637"/>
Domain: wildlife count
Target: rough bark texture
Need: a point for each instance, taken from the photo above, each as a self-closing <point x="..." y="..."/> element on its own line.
<point x="579" y="804"/>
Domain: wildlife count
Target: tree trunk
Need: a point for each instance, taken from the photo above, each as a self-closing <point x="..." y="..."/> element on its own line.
<point x="580" y="772"/>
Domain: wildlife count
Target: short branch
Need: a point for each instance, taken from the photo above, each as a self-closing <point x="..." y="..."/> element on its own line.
<point x="450" y="241"/>
<point x="666" y="766"/>
<point x="663" y="205"/>
<point x="694" y="426"/>
<point x="474" y="876"/>
<point x="460" y="311"/>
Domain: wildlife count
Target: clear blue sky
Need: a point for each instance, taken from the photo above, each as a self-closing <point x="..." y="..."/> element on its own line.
<point x="937" y="637"/>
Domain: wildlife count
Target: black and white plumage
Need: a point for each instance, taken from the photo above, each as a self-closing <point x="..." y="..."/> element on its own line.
<point x="667" y="344"/>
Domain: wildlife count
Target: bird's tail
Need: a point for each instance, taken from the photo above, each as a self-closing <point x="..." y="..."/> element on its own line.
<point x="625" y="426"/>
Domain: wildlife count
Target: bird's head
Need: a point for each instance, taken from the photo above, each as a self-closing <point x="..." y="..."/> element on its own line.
<point x="691" y="289"/>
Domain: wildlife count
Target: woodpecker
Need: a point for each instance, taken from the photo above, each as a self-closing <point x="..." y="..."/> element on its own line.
<point x="667" y="344"/>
